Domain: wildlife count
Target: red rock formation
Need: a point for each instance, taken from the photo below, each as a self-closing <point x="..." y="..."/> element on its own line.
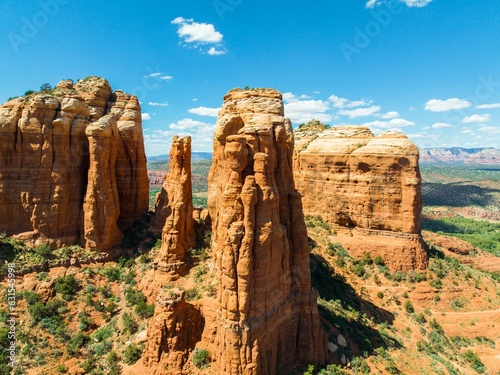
<point x="368" y="188"/>
<point x="49" y="141"/>
<point x="172" y="333"/>
<point x="267" y="315"/>
<point x="174" y="209"/>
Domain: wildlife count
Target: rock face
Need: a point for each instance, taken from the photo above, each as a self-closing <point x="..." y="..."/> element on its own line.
<point x="368" y="188"/>
<point x="72" y="166"/>
<point x="267" y="314"/>
<point x="172" y="333"/>
<point x="174" y="209"/>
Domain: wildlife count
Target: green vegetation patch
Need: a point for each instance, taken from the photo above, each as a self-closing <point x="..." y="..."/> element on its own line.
<point x="479" y="233"/>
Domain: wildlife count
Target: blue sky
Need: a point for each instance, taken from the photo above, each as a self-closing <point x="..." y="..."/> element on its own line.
<point x="430" y="68"/>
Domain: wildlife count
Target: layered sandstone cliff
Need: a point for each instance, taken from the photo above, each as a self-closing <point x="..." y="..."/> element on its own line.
<point x="174" y="210"/>
<point x="72" y="166"/>
<point x="267" y="314"/>
<point x="368" y="188"/>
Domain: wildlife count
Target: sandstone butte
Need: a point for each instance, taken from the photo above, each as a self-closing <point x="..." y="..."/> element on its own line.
<point x="73" y="165"/>
<point x="367" y="187"/>
<point x="267" y="316"/>
<point x="174" y="210"/>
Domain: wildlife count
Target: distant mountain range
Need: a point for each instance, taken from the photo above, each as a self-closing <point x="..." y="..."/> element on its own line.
<point x="460" y="155"/>
<point x="194" y="156"/>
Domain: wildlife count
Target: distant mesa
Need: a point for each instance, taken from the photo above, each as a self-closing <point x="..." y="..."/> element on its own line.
<point x="367" y="188"/>
<point x="73" y="166"/>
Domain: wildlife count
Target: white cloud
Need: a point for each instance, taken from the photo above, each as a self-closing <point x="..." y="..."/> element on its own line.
<point x="188" y="123"/>
<point x="200" y="34"/>
<point x="216" y="52"/>
<point x="389" y="115"/>
<point x="346" y="103"/>
<point x="371" y="4"/>
<point x="416" y="3"/>
<point x="305" y="110"/>
<point x="412" y="109"/>
<point x="145" y="116"/>
<point x="393" y="123"/>
<point x="488" y="106"/>
<point x="316" y="92"/>
<point x="410" y="3"/>
<point x="205" y="111"/>
<point x="153" y="75"/>
<point x="360" y="112"/>
<point x="194" y="99"/>
<point x="467" y="131"/>
<point x="476" y="119"/>
<point x="155" y="104"/>
<point x="192" y="32"/>
<point x="490" y="129"/>
<point x="441" y="125"/>
<point x="166" y="78"/>
<point x="437" y="105"/>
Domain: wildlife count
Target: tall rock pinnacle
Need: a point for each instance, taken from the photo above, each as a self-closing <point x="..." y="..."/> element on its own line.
<point x="174" y="209"/>
<point x="267" y="314"/>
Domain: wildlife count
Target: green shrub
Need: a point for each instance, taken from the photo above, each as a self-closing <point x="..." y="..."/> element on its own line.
<point x="44" y="251"/>
<point x="134" y="296"/>
<point x="380" y="294"/>
<point x="201" y="358"/>
<point x="66" y="285"/>
<point x="379" y="261"/>
<point x="192" y="294"/>
<point x="419" y="318"/>
<point x="144" y="310"/>
<point x="76" y="342"/>
<point x="112" y="362"/>
<point x="475" y="361"/>
<point x="358" y="270"/>
<point x="129" y="324"/>
<point x="132" y="354"/>
<point x="436" y="283"/>
<point x="31" y="297"/>
<point x="62" y="369"/>
<point x="333" y="370"/>
<point x="366" y="259"/>
<point x="360" y="366"/>
<point x="409" y="307"/>
<point x="112" y="273"/>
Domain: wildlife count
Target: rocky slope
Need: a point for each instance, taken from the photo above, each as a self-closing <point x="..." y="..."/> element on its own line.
<point x="73" y="166"/>
<point x="367" y="188"/>
<point x="174" y="209"/>
<point x="267" y="318"/>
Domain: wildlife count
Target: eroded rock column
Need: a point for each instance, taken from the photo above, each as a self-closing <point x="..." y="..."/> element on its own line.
<point x="267" y="314"/>
<point x="174" y="210"/>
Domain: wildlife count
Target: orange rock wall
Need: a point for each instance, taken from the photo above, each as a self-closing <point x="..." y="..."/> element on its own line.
<point x="63" y="154"/>
<point x="367" y="188"/>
